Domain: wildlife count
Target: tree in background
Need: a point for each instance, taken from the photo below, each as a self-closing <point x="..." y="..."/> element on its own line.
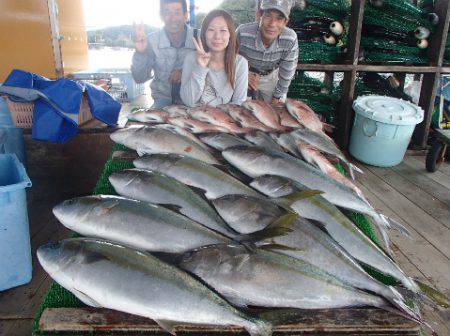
<point x="242" y="11"/>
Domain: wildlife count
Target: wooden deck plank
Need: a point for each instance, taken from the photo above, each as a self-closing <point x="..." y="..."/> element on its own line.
<point x="424" y="225"/>
<point x="439" y="321"/>
<point x="417" y="164"/>
<point x="420" y="179"/>
<point x="432" y="206"/>
<point x="16" y="327"/>
<point x="419" y="251"/>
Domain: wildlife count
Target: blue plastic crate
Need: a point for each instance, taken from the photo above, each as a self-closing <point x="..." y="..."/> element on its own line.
<point x="15" y="249"/>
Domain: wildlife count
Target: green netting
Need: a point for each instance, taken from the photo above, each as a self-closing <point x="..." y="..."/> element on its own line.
<point x="392" y="21"/>
<point x="313" y="11"/>
<point x="369" y="43"/>
<point x="318" y="52"/>
<point x="57" y="296"/>
<point x="341" y="7"/>
<point x="402" y="7"/>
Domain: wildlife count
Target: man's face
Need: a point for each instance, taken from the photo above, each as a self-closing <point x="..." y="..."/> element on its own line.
<point x="174" y="17"/>
<point x="271" y="24"/>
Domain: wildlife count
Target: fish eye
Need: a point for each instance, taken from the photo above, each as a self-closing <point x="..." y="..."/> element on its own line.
<point x="187" y="256"/>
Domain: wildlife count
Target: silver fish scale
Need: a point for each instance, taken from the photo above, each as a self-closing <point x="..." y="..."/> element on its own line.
<point x="272" y="280"/>
<point x="153" y="288"/>
<point x="155" y="187"/>
<point x="197" y="174"/>
<point x="154" y="228"/>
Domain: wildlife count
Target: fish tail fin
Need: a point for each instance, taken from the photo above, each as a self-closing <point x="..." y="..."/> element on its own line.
<point x="382" y="224"/>
<point x="356" y="168"/>
<point x="397" y="226"/>
<point x="432" y="296"/>
<point x="400" y="307"/>
<point x="280" y="227"/>
<point x="286" y="201"/>
<point x="258" y="327"/>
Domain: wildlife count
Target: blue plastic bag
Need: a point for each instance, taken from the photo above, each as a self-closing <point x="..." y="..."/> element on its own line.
<point x="57" y="104"/>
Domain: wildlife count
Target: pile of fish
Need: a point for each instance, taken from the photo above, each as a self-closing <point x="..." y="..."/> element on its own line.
<point x="245" y="214"/>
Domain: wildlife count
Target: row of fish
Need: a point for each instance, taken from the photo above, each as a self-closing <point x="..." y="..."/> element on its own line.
<point x="273" y="237"/>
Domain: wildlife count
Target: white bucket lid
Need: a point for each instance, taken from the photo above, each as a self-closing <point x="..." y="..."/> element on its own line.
<point x="388" y="110"/>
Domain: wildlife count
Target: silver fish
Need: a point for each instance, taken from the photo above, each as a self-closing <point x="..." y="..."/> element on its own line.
<point x="222" y="141"/>
<point x="155" y="187"/>
<point x="102" y="274"/>
<point x="183" y="132"/>
<point x="246" y="214"/>
<point x="343" y="231"/>
<point x="151" y="140"/>
<point x="214" y="182"/>
<point x="286" y="141"/>
<point x="255" y="162"/>
<point x="269" y="279"/>
<point x="263" y="140"/>
<point x="133" y="223"/>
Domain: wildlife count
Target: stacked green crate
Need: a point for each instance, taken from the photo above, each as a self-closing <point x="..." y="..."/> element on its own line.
<point x="322" y="98"/>
<point x="396" y="32"/>
<point x="321" y="28"/>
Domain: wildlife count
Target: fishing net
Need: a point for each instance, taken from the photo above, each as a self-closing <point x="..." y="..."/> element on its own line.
<point x="318" y="52"/>
<point x="394" y="20"/>
<point x="369" y="43"/>
<point x="336" y="6"/>
<point x="401" y="7"/>
<point x="58" y="297"/>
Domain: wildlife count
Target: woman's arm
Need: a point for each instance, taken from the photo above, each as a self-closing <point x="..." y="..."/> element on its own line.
<point x="241" y="81"/>
<point x="192" y="80"/>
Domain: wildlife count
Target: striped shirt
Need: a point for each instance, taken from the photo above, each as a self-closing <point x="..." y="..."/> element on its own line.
<point x="282" y="54"/>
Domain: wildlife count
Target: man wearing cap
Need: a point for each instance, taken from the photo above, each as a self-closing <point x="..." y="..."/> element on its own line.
<point x="271" y="50"/>
<point x="160" y="55"/>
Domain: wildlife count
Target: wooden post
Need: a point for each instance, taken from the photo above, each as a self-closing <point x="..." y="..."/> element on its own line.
<point x="431" y="80"/>
<point x="345" y="116"/>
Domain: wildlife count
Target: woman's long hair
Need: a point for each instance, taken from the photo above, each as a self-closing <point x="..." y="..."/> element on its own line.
<point x="231" y="50"/>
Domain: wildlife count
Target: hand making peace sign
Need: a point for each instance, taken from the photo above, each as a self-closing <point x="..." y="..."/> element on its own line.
<point x="140" y="38"/>
<point x="203" y="57"/>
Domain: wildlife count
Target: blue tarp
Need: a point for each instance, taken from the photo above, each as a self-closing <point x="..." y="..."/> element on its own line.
<point x="57" y="104"/>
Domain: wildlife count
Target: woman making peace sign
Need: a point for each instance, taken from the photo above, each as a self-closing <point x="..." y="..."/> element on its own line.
<point x="215" y="74"/>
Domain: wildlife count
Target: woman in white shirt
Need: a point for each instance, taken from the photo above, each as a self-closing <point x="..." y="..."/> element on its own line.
<point x="215" y="74"/>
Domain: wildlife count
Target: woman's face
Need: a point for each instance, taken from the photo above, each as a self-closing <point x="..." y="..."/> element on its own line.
<point x="217" y="35"/>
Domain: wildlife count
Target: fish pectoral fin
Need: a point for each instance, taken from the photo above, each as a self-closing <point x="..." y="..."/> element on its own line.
<point x="105" y="207"/>
<point x="280" y="227"/>
<point x="86" y="299"/>
<point x="319" y="224"/>
<point x="278" y="247"/>
<point x="168" y="326"/>
<point x="142" y="150"/>
<point x="287" y="201"/>
<point x="174" y="208"/>
<point x="237" y="301"/>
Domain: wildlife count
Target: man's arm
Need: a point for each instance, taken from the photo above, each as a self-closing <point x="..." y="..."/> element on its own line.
<point x="142" y="65"/>
<point x="288" y="66"/>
